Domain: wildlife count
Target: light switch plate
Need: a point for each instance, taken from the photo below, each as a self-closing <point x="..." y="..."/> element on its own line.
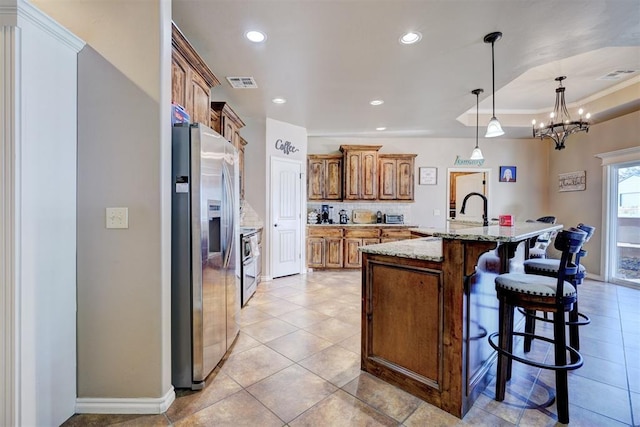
<point x="436" y="212"/>
<point x="117" y="218"/>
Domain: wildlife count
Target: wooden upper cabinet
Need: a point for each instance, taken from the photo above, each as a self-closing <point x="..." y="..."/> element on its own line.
<point x="324" y="177"/>
<point x="228" y="123"/>
<point x="191" y="78"/>
<point x="360" y="172"/>
<point x="396" y="173"/>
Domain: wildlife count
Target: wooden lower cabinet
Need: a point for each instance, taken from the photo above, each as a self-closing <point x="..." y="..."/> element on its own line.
<point x="324" y="247"/>
<point x="333" y="252"/>
<point x="353" y="239"/>
<point x="337" y="247"/>
<point x="394" y="234"/>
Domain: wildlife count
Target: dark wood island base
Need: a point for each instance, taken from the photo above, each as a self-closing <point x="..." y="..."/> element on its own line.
<point x="427" y="309"/>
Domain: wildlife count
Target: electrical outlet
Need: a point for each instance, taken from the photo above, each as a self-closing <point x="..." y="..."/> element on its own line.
<point x="436" y="212"/>
<point x="117" y="218"/>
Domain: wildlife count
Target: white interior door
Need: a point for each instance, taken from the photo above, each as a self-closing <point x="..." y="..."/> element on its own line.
<point x="465" y="184"/>
<point x="286" y="227"/>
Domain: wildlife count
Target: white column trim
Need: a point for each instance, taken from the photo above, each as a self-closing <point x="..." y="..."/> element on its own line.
<point x="27" y="11"/>
<point x="99" y="405"/>
<point x="10" y="392"/>
<point x="620" y="156"/>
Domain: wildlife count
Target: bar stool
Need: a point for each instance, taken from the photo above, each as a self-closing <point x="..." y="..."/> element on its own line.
<point x="548" y="294"/>
<point x="549" y="267"/>
<point x="538" y="247"/>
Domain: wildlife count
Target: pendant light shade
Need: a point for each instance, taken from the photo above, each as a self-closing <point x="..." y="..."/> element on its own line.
<point x="493" y="128"/>
<point x="476" y="154"/>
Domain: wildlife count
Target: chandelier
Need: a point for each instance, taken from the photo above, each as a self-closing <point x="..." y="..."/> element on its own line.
<point x="560" y="125"/>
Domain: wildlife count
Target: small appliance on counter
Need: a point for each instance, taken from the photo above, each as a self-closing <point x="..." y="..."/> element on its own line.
<point x="313" y="217"/>
<point x="324" y="214"/>
<point x="393" y="219"/>
<point x="379" y="217"/>
<point x="344" y="218"/>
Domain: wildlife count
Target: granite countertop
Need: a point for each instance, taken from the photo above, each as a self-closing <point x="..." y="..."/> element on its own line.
<point x="361" y="225"/>
<point x="493" y="233"/>
<point x="426" y="248"/>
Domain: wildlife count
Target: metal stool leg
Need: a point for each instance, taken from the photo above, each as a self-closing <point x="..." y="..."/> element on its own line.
<point x="562" y="384"/>
<point x="529" y="328"/>
<point x="505" y="341"/>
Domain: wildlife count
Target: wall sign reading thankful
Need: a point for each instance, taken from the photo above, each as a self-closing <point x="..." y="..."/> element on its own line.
<point x="286" y="147"/>
<point x="572" y="181"/>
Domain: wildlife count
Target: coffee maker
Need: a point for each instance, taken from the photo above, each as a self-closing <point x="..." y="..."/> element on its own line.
<point x="344" y="218"/>
<point x="324" y="214"/>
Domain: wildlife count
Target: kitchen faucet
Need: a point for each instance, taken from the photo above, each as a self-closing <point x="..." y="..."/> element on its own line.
<point x="485" y="220"/>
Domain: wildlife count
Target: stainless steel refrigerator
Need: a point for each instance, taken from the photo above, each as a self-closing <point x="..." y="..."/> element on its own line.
<point x="205" y="265"/>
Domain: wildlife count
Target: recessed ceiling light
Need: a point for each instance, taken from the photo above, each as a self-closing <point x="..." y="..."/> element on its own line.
<point x="411" y="37"/>
<point x="377" y="102"/>
<point x="381" y="128"/>
<point x="278" y="100"/>
<point x="255" y="36"/>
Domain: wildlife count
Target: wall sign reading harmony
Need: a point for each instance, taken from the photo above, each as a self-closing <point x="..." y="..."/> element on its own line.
<point x="572" y="181"/>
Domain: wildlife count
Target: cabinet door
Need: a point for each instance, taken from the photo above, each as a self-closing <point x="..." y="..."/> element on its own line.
<point x="315" y="179"/>
<point x="333" y="252"/>
<point x="404" y="179"/>
<point x="229" y="128"/>
<point x="200" y="93"/>
<point x="352" y="257"/>
<point x="216" y="121"/>
<point x="179" y="75"/>
<point x="352" y="175"/>
<point x="315" y="252"/>
<point x="369" y="175"/>
<point x="387" y="170"/>
<point x="333" y="179"/>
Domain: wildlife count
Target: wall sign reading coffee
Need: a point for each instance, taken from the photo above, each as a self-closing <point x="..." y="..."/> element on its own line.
<point x="286" y="147"/>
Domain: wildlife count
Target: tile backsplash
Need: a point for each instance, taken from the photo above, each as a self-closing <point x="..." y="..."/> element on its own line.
<point x="385" y="208"/>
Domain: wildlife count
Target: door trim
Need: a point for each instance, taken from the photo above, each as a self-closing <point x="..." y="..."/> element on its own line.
<point x="269" y="231"/>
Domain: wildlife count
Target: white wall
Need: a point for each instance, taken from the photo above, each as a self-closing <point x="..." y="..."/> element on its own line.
<point x="527" y="198"/>
<point x="586" y="206"/>
<point x="124" y="154"/>
<point x="42" y="111"/>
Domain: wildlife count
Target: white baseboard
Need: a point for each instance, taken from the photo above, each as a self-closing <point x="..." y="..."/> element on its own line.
<point x="97" y="405"/>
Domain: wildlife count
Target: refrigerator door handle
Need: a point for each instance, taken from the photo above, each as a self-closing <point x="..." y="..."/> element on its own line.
<point x="229" y="208"/>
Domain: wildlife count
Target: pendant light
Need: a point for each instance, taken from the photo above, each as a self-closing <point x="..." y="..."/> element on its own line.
<point x="493" y="128"/>
<point x="476" y="154"/>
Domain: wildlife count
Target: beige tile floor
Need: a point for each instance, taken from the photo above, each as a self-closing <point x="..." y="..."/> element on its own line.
<point x="297" y="363"/>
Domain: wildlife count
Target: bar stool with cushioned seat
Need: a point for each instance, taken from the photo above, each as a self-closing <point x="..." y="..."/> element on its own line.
<point x="549" y="267"/>
<point x="548" y="294"/>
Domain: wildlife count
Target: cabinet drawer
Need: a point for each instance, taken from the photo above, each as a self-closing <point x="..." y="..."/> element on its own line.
<point x="324" y="231"/>
<point x="402" y="233"/>
<point x="369" y="233"/>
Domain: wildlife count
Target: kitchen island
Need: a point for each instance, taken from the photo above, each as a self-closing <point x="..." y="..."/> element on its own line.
<point x="427" y="309"/>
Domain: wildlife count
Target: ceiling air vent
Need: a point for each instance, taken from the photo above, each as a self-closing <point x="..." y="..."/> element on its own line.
<point x="242" y="82"/>
<point x="616" y="74"/>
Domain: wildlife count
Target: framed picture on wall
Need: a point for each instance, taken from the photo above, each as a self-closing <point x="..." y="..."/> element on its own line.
<point x="507" y="174"/>
<point x="428" y="176"/>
